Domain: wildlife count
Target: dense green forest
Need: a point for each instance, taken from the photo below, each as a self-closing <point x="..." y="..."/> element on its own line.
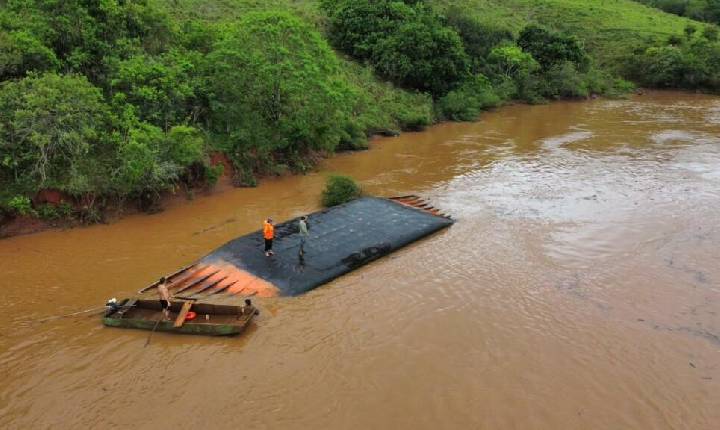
<point x="116" y="102"/>
<point x="701" y="10"/>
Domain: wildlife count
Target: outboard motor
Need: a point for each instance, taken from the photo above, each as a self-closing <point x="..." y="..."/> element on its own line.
<point x="111" y="306"/>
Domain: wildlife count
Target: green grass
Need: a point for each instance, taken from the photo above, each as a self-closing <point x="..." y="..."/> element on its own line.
<point x="225" y="10"/>
<point x="607" y="27"/>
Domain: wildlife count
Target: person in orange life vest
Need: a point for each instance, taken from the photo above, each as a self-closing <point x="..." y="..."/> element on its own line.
<point x="269" y="235"/>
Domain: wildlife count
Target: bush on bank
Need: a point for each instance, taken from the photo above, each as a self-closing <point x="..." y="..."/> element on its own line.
<point x="58" y="132"/>
<point x="339" y="189"/>
<point x="692" y="62"/>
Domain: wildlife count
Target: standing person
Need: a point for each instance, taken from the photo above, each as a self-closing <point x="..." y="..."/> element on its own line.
<point x="164" y="295"/>
<point x="303" y="231"/>
<point x="269" y="235"/>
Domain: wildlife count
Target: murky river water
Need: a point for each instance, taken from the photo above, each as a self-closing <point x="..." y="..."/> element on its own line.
<point x="579" y="289"/>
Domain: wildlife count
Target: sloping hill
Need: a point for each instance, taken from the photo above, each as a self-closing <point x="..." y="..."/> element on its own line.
<point x="609" y="28"/>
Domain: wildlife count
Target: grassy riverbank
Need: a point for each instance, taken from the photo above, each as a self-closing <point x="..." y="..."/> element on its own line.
<point x="114" y="104"/>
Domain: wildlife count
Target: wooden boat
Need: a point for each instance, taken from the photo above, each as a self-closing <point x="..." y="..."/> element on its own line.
<point x="210" y="320"/>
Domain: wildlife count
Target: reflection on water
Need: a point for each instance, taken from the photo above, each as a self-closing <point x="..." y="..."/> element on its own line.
<point x="579" y="289"/>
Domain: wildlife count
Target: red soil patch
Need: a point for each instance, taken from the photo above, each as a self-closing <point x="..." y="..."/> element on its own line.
<point x="221" y="158"/>
<point x="22" y="225"/>
<point x="51" y="196"/>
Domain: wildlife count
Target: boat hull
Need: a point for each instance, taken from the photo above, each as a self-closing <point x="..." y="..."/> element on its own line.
<point x="147" y="315"/>
<point x="168" y="326"/>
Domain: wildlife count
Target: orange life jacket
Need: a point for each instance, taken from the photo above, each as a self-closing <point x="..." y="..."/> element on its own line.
<point x="268" y="230"/>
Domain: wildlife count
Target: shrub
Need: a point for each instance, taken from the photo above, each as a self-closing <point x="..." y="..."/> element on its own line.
<point x="90" y="215"/>
<point x="20" y="205"/>
<point x="662" y="66"/>
<point x="65" y="210"/>
<point x="564" y="81"/>
<point x="353" y="138"/>
<point x="509" y="63"/>
<point x="213" y="173"/>
<point x="600" y="82"/>
<point x="379" y="106"/>
<point x="479" y="38"/>
<point x="244" y="177"/>
<point x="466" y="102"/>
<point x="339" y="190"/>
<point x="415" y="118"/>
<point x="551" y="48"/>
<point x="48" y="212"/>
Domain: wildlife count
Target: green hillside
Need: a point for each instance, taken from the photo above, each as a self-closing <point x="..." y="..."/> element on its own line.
<point x="588" y="18"/>
<point x="117" y="102"/>
<point x="600" y="23"/>
<point x="609" y="28"/>
<point x="701" y="10"/>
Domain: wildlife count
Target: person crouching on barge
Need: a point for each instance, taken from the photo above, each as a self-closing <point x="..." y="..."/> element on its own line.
<point x="249" y="309"/>
<point x="269" y="235"/>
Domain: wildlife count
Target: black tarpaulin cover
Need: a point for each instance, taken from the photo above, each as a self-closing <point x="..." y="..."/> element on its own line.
<point x="341" y="239"/>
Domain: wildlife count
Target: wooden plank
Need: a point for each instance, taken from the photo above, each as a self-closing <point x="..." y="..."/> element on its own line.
<point x="183" y="313"/>
<point x="198" y="282"/>
<point x="169" y="277"/>
<point x="220" y="290"/>
<point x="202" y="290"/>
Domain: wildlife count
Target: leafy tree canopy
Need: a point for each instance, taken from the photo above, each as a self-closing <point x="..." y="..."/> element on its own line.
<point x="50" y="127"/>
<point x="550" y="48"/>
<point x="275" y="87"/>
<point x="407" y="42"/>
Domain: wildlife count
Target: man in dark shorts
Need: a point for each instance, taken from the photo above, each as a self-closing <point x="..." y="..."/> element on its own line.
<point x="164" y="295"/>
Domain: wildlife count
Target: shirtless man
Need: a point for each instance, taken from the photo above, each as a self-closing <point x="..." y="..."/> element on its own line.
<point x="164" y="295"/>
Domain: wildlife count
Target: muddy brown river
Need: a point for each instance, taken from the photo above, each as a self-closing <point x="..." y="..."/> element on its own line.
<point x="579" y="289"/>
